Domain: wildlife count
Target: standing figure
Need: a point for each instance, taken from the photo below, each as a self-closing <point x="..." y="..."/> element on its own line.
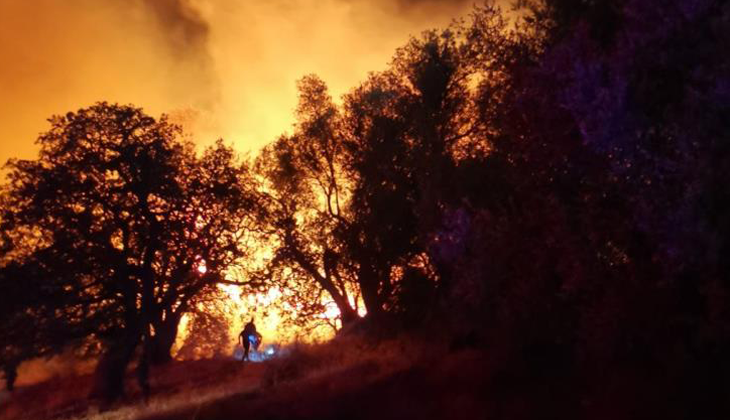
<point x="249" y="336"/>
<point x="10" y="369"/>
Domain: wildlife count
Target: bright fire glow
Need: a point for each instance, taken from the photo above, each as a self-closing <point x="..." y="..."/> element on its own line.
<point x="223" y="68"/>
<point x="202" y="269"/>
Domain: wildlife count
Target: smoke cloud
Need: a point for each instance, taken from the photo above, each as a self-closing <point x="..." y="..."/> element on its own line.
<point x="223" y="68"/>
<point x="181" y="22"/>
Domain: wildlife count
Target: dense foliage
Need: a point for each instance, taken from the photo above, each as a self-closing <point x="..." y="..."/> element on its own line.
<point x="106" y="234"/>
<point x="552" y="186"/>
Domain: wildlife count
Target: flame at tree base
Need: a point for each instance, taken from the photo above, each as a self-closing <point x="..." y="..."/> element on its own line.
<point x="267" y="311"/>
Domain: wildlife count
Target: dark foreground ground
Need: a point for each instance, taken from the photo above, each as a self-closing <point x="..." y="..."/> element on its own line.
<point x="397" y="379"/>
<point x="176" y="384"/>
<point x="445" y="388"/>
<point x="352" y="380"/>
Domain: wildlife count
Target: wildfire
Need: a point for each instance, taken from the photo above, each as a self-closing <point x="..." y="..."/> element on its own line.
<point x="267" y="311"/>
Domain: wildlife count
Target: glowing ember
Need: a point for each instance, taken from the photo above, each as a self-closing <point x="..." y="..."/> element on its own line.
<point x="202" y="269"/>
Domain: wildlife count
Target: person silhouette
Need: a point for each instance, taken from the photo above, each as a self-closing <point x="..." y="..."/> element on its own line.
<point x="10" y="369"/>
<point x="249" y="336"/>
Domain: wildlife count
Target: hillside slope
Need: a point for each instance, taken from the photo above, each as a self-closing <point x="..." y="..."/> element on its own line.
<point x="450" y="387"/>
<point x="177" y="384"/>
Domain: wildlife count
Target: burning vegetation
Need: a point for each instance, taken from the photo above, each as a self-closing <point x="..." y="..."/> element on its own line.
<point x="523" y="216"/>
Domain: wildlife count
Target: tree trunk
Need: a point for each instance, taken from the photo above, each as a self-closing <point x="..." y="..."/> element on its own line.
<point x="347" y="313"/>
<point x="370" y="296"/>
<point x="165" y="335"/>
<point x="108" y="383"/>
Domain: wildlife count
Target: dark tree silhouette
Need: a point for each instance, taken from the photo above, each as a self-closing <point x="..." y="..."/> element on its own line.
<point x="358" y="194"/>
<point x="119" y="215"/>
<point x="558" y="185"/>
<point x="552" y="187"/>
<point x="307" y="201"/>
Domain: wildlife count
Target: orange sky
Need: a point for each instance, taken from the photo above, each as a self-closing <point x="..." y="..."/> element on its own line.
<point x="229" y="66"/>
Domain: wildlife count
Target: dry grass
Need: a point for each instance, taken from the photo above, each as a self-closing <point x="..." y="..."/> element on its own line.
<point x="313" y="360"/>
<point x="359" y="380"/>
<point x="179" y="384"/>
<point x="305" y="382"/>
